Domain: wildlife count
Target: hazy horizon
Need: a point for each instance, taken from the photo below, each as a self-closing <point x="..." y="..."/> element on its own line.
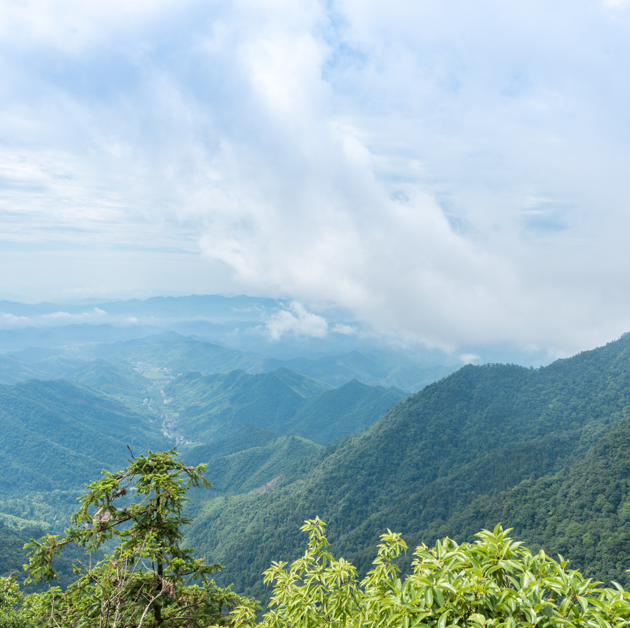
<point x="451" y="174"/>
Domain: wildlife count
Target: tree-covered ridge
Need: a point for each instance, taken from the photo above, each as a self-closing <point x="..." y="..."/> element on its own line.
<point x="13" y="370"/>
<point x="13" y="556"/>
<point x="148" y="579"/>
<point x="582" y="512"/>
<point x="214" y="405"/>
<point x="478" y="432"/>
<point x="257" y="468"/>
<point x="217" y="404"/>
<point x="118" y="380"/>
<point x="57" y="434"/>
<point x="349" y="409"/>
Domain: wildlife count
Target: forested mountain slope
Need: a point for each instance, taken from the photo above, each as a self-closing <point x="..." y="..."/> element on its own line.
<point x="480" y="431"/>
<point x="118" y="380"/>
<point x="250" y="435"/>
<point x="58" y="435"/>
<point x="256" y="468"/>
<point x="582" y="512"/>
<point x="215" y="405"/>
<point x="12" y="370"/>
<point x="12" y="555"/>
<point x="336" y="413"/>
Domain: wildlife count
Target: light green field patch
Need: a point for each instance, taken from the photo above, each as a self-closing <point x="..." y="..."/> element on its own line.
<point x="156" y="373"/>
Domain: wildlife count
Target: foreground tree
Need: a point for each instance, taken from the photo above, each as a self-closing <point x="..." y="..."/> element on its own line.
<point x="491" y="583"/>
<point x="146" y="580"/>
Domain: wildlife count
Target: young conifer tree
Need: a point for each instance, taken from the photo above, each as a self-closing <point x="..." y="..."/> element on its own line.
<point x="147" y="580"/>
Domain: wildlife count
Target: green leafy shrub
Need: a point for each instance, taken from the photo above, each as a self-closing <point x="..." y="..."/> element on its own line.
<point x="494" y="582"/>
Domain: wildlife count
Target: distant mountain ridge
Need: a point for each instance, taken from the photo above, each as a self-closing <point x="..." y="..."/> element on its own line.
<point x="180" y="354"/>
<point x="287" y="402"/>
<point x="193" y="305"/>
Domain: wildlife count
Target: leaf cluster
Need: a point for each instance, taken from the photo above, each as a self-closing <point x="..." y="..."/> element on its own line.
<point x="494" y="582"/>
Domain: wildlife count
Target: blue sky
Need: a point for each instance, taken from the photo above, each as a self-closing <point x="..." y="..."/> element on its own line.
<point x="453" y="172"/>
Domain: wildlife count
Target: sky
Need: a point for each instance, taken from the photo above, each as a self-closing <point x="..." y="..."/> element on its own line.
<point x="452" y="172"/>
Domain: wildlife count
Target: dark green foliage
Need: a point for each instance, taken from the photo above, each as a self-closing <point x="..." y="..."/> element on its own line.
<point x="255" y="468"/>
<point x="582" y="512"/>
<point x="478" y="432"/>
<point x="217" y="404"/>
<point x="249" y="436"/>
<point x="12" y="541"/>
<point x="13" y="556"/>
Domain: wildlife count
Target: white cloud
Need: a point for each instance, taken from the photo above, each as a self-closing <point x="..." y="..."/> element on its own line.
<point x="11" y="319"/>
<point x="132" y="319"/>
<point x="89" y="314"/>
<point x="469" y="358"/>
<point x="452" y="173"/>
<point x="296" y="320"/>
<point x="347" y="330"/>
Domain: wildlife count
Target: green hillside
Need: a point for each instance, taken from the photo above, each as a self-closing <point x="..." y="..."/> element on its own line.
<point x="255" y="468"/>
<point x="582" y="512"/>
<point x="13" y="370"/>
<point x="248" y="436"/>
<point x="58" y="434"/>
<point x="211" y="406"/>
<point x="13" y="556"/>
<point x="117" y="380"/>
<point x="348" y="409"/>
<point x="478" y="432"/>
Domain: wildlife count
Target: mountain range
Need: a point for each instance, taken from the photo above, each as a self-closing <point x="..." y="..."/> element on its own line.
<point x="435" y="459"/>
<point x="543" y="450"/>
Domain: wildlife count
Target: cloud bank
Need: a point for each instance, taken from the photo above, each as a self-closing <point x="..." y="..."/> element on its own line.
<point x="452" y="173"/>
<point x="296" y="320"/>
